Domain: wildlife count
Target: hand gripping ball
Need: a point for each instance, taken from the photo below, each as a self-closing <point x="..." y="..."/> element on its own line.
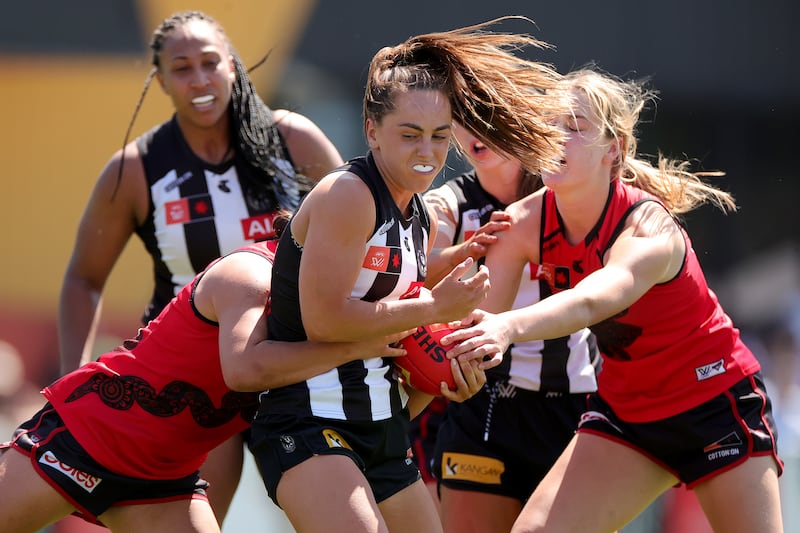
<point x="425" y="364"/>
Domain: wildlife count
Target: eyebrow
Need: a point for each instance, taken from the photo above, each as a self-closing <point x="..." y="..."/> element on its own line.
<point x="418" y="128"/>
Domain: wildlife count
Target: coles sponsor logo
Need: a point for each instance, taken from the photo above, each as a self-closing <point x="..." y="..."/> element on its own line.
<point x="259" y="227"/>
<point x="82" y="479"/>
<point x="476" y="468"/>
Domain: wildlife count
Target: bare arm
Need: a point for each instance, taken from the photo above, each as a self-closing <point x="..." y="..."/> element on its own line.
<point x="104" y="230"/>
<point x="234" y="293"/>
<point x="649" y="251"/>
<point x="445" y="255"/>
<point x="312" y="152"/>
<point x="333" y="225"/>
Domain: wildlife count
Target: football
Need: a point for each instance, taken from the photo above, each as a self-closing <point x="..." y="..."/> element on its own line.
<point x="425" y="364"/>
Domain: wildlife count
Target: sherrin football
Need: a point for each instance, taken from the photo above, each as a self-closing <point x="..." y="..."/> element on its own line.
<point x="425" y="364"/>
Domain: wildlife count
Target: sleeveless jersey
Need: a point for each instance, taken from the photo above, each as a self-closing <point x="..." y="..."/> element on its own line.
<point x="394" y="267"/>
<point x="154" y="407"/>
<point x="674" y="348"/>
<point x="198" y="211"/>
<point x="557" y="365"/>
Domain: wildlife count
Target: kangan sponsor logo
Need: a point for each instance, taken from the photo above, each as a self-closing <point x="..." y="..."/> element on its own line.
<point x="287" y="441"/>
<point x="82" y="479"/>
<point x="727" y="446"/>
<point x="476" y="468"/>
<point x="334" y="440"/>
<point x="710" y="370"/>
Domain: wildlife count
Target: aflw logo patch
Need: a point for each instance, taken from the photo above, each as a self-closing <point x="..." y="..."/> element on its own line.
<point x="383" y="259"/>
<point x="82" y="479"/>
<point x="710" y="370"/>
<point x="189" y="209"/>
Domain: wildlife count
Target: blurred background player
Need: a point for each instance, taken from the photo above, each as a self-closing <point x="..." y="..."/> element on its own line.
<point x="206" y="181"/>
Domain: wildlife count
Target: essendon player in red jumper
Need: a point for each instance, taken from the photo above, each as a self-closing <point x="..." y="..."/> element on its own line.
<point x="680" y="398"/>
<point x="121" y="439"/>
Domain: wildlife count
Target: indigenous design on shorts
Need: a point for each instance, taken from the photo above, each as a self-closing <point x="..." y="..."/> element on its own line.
<point x="122" y="392"/>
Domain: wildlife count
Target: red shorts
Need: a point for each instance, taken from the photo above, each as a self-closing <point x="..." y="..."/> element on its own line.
<point x="87" y="485"/>
<point x="702" y="442"/>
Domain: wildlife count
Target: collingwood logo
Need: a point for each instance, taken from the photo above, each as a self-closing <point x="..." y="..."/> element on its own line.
<point x="287" y="441"/>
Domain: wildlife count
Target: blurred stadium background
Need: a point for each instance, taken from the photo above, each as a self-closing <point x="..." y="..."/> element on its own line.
<point x="726" y="72"/>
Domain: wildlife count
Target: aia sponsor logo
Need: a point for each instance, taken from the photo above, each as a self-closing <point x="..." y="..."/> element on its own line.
<point x="82" y="479"/>
<point x="383" y="259"/>
<point x="189" y="209"/>
<point x="259" y="227"/>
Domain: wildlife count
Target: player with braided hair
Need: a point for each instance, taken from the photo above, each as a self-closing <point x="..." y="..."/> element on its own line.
<point x="206" y="181"/>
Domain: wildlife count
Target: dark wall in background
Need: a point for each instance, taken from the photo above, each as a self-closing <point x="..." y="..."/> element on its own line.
<point x="726" y="73"/>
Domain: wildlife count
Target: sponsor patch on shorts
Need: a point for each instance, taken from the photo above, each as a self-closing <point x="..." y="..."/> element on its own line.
<point x="82" y="479"/>
<point x="476" y="468"/>
<point x="334" y="440"/>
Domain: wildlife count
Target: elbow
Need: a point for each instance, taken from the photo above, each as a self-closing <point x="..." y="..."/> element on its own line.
<point x="323" y="329"/>
<point x="245" y="379"/>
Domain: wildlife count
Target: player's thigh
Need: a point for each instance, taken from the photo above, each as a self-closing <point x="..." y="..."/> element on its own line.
<point x="27" y="502"/>
<point x="329" y="493"/>
<point x="223" y="469"/>
<point x="596" y="485"/>
<point x="745" y="498"/>
<point x="191" y="515"/>
<point x="411" y="510"/>
<point x="470" y="511"/>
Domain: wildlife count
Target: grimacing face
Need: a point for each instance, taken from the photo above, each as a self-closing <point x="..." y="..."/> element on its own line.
<point x="410" y="144"/>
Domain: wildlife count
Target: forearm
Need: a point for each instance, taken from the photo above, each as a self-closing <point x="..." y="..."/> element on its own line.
<point x="357" y="319"/>
<point x="556" y="316"/>
<point x="270" y="364"/>
<point x="440" y="262"/>
<point x="78" y="313"/>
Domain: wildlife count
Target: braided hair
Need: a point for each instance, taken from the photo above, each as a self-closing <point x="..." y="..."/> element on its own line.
<point x="253" y="129"/>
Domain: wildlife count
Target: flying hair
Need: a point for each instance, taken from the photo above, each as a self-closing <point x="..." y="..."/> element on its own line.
<point x="252" y="126"/>
<point x="499" y="96"/>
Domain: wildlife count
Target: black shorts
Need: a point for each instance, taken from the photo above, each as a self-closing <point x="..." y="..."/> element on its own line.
<point x="702" y="442"/>
<point x="423" y="431"/>
<point x="88" y="486"/>
<point x="504" y="439"/>
<point x="380" y="449"/>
